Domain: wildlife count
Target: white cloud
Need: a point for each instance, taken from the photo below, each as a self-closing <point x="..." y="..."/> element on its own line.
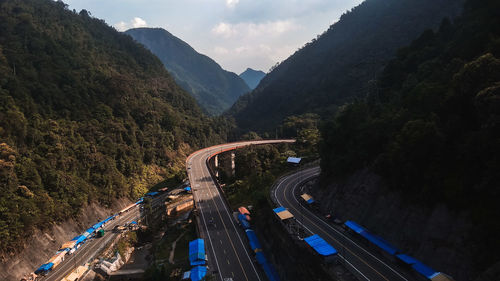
<point x="133" y="23"/>
<point x="138" y="22"/>
<point x="232" y="3"/>
<point x="249" y="29"/>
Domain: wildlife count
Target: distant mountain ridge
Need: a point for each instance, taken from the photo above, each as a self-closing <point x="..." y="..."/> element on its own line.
<point x="337" y="66"/>
<point x="252" y="77"/>
<point x="214" y="88"/>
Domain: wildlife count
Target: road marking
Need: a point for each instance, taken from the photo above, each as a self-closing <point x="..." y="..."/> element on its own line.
<point x="312" y="171"/>
<point x="228" y="262"/>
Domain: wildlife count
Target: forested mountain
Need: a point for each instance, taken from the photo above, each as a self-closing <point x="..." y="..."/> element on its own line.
<point x="252" y="77"/>
<point x="430" y="126"/>
<point x="87" y="114"/>
<point x="214" y="88"/>
<point x="339" y="64"/>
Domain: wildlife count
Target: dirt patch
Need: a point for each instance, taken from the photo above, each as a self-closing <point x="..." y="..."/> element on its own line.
<point x="42" y="245"/>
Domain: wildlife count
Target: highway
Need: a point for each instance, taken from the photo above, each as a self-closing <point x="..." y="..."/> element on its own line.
<point x="365" y="264"/>
<point x="93" y="247"/>
<point x="228" y="251"/>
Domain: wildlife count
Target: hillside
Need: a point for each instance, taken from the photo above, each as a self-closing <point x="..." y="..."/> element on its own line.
<point x="252" y="77"/>
<point x="339" y="64"/>
<point x="214" y="88"/>
<point x="430" y="129"/>
<point x="87" y="115"/>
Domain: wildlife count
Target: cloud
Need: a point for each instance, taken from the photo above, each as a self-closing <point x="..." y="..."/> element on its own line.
<point x="249" y="29"/>
<point x="232" y="3"/>
<point x="133" y="23"/>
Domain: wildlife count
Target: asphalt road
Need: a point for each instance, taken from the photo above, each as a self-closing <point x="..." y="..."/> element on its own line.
<point x="229" y="255"/>
<point x="365" y="264"/>
<point x="93" y="247"/>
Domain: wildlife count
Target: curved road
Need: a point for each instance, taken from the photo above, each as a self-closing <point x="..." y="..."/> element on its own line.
<point x="365" y="264"/>
<point x="228" y="252"/>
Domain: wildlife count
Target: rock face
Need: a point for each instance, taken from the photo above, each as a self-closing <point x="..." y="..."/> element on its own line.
<point x="436" y="235"/>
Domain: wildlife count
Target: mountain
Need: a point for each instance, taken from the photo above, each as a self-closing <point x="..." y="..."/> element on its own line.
<point x="214" y="88"/>
<point x="339" y="65"/>
<point x="86" y="115"/>
<point x="252" y="77"/>
<point x="430" y="129"/>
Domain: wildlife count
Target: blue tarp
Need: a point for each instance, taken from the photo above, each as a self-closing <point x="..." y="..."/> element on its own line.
<point x="266" y="266"/>
<point x="243" y="220"/>
<point x="310" y="201"/>
<point x="44" y="268"/>
<point x="354" y="226"/>
<point x="252" y="238"/>
<point x="271" y="273"/>
<point x="187" y="188"/>
<point x="261" y="259"/>
<point x="407" y="259"/>
<point x="198" y="273"/>
<point x="279" y="210"/>
<point x="293" y="160"/>
<point x="133" y="222"/>
<point x="152" y="194"/>
<point x="384" y="245"/>
<point x="424" y="269"/>
<point x="197" y="252"/>
<point x="320" y="245"/>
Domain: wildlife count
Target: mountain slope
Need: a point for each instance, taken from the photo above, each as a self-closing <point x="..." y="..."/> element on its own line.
<point x="431" y="129"/>
<point x="214" y="88"/>
<point x="252" y="77"/>
<point x="338" y="65"/>
<point x="87" y="115"/>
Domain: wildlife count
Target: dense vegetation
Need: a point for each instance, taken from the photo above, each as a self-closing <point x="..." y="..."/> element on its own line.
<point x="214" y="88"/>
<point x="431" y="126"/>
<point x="86" y="114"/>
<point x="340" y="63"/>
<point x="252" y="77"/>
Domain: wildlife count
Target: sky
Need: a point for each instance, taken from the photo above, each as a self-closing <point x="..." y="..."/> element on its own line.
<point x="237" y="34"/>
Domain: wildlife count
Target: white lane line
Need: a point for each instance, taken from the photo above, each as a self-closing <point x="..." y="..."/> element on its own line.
<point x="341" y="234"/>
<point x="232" y="223"/>
<point x="209" y="238"/>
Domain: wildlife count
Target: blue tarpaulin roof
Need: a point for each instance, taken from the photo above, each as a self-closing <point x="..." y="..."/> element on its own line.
<point x="293" y="160"/>
<point x="354" y="226"/>
<point x="187" y="188"/>
<point x="44" y="268"/>
<point x="151" y="193"/>
<point x="243" y="220"/>
<point x="133" y="222"/>
<point x="197" y="252"/>
<point x="424" y="269"/>
<point x="320" y="245"/>
<point x="310" y="201"/>
<point x="407" y="259"/>
<point x="198" y="273"/>
<point x="380" y="242"/>
<point x="279" y="209"/>
<point x="266" y="266"/>
<point x="254" y="241"/>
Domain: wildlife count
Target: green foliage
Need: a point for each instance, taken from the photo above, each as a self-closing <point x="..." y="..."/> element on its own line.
<point x="86" y="114"/>
<point x="214" y="88"/>
<point x="431" y="126"/>
<point x="341" y="63"/>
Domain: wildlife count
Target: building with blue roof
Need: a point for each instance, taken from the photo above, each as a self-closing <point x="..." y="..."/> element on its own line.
<point x="320" y="245"/>
<point x="198" y="273"/>
<point x="197" y="252"/>
<point x="254" y="241"/>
